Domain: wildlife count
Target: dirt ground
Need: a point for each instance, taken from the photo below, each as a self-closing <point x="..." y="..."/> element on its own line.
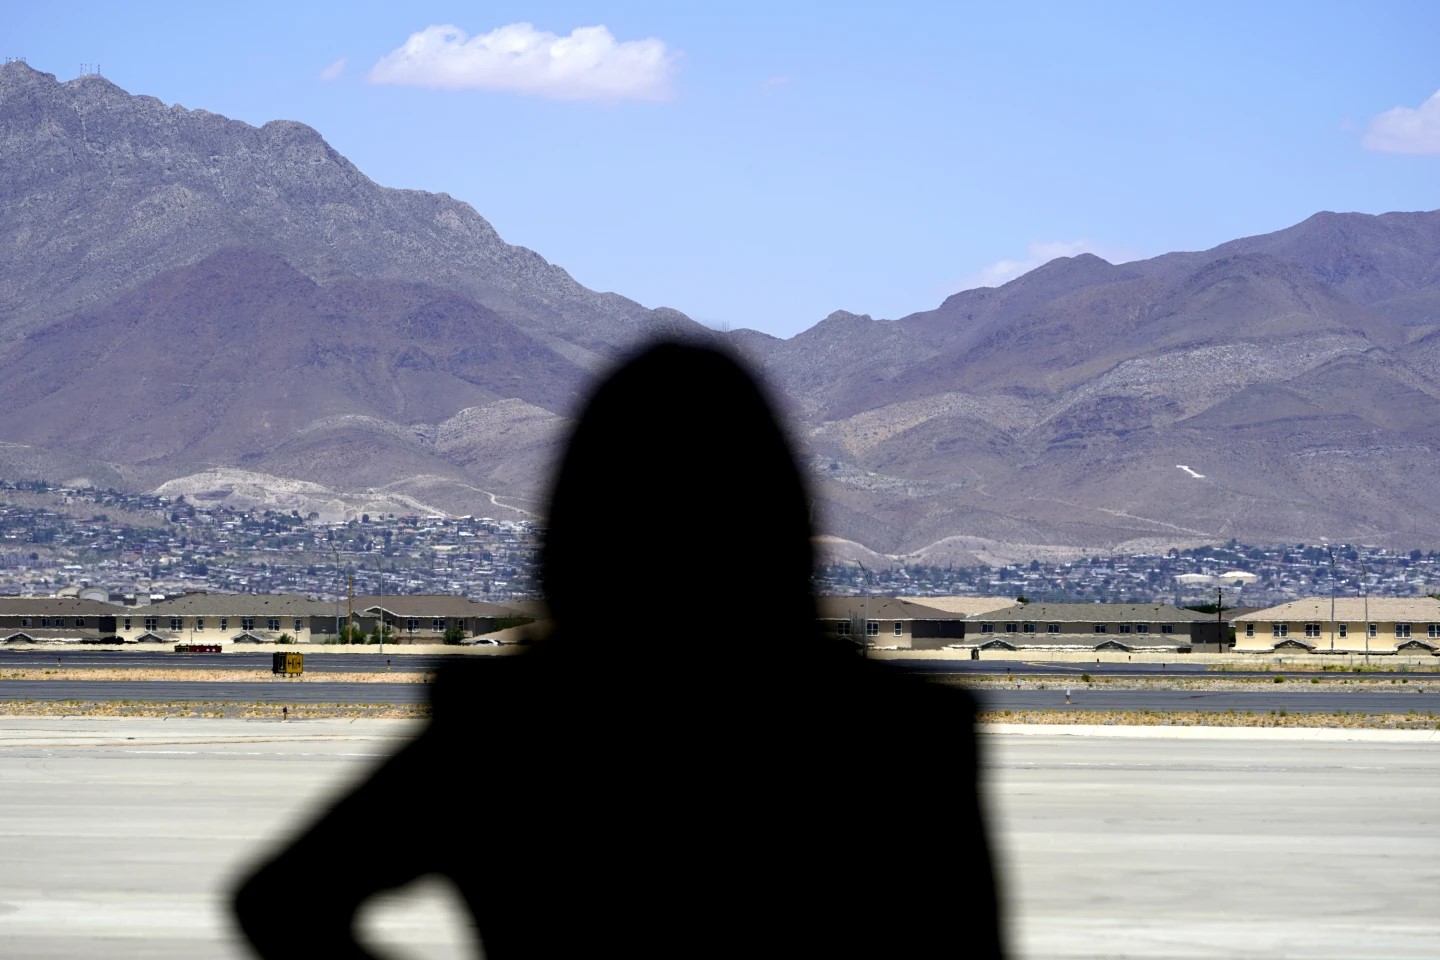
<point x="1312" y="682"/>
<point x="207" y="676"/>
<point x="228" y="710"/>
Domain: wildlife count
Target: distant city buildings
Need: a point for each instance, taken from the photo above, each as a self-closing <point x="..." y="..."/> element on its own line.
<point x="138" y="547"/>
<point x="135" y="548"/>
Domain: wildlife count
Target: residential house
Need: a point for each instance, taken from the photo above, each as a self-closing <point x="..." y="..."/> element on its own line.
<point x="1124" y="627"/>
<point x="1383" y="625"/>
<point x="426" y="618"/>
<point x="50" y="619"/>
<point x="228" y="617"/>
<point x="891" y="621"/>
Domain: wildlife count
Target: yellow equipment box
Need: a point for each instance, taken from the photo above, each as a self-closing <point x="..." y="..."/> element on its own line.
<point x="287" y="663"/>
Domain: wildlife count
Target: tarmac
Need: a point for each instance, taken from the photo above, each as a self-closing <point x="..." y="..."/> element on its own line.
<point x="121" y="837"/>
<point x="1186" y="842"/>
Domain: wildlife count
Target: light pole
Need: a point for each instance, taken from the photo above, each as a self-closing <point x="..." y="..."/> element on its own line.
<point x="380" y="630"/>
<point x="865" y="622"/>
<point x="339" y="589"/>
<point x="1219" y="620"/>
<point x="1332" y="598"/>
<point x="1365" y="590"/>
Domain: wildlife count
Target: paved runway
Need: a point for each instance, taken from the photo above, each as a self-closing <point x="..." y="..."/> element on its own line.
<point x="121" y="836"/>
<point x="1220" y="846"/>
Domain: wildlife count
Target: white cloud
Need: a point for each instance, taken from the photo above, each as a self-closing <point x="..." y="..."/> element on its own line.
<point x="333" y="71"/>
<point x="1039" y="252"/>
<point x="589" y="64"/>
<point x="1406" y="130"/>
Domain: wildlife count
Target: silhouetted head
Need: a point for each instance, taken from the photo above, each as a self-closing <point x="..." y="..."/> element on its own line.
<point x="678" y="506"/>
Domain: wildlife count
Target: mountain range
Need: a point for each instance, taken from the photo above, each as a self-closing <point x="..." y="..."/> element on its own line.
<point x="192" y="304"/>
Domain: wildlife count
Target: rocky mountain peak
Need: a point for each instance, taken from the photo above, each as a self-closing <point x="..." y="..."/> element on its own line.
<point x="181" y="184"/>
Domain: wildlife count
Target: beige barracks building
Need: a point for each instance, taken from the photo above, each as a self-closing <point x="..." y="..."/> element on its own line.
<point x="264" y="618"/>
<point x="1378" y="625"/>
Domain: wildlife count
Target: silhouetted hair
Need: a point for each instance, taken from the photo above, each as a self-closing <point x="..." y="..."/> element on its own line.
<point x="678" y="483"/>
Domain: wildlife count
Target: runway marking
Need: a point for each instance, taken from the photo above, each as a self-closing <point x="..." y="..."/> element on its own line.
<point x="1048" y="665"/>
<point x="1197" y="476"/>
<point x="257" y="753"/>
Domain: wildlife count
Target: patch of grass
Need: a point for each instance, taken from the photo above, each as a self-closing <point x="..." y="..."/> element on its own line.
<point x="1273" y="718"/>
<point x="241" y="711"/>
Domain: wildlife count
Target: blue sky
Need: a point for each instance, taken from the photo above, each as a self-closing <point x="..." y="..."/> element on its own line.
<point x="760" y="164"/>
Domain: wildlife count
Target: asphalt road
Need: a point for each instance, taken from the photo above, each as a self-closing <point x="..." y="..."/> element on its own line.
<point x="1369" y="700"/>
<point x="176" y="691"/>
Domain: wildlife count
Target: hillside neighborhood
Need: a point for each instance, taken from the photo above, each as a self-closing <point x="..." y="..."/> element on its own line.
<point x="135" y="548"/>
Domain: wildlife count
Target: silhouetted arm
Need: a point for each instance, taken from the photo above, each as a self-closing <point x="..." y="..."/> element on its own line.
<point x="302" y="904"/>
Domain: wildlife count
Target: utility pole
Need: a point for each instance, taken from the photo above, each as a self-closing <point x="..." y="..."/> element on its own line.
<point x="1332" y="598"/>
<point x="865" y="632"/>
<point x="1365" y="588"/>
<point x="1219" y="621"/>
<point x="380" y="630"/>
<point x="340" y="584"/>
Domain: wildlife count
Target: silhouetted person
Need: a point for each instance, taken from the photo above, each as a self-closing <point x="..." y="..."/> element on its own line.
<point x="687" y="765"/>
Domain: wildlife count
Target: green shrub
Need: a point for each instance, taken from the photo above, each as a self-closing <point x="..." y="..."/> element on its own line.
<point x="1279" y="680"/>
<point x="1084" y="678"/>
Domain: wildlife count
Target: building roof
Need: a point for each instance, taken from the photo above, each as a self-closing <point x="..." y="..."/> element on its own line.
<point x="56" y="607"/>
<point x="432" y="605"/>
<point x="1350" y="610"/>
<point x="880" y="608"/>
<point x="1081" y="641"/>
<point x="1093" y="613"/>
<point x="969" y="606"/>
<point x="530" y="608"/>
<point x="43" y="634"/>
<point x="237" y="605"/>
<point x="1190" y="578"/>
